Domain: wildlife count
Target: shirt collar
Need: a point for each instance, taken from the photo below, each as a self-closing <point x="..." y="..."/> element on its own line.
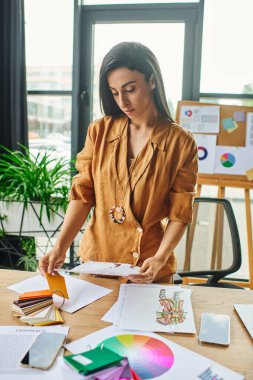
<point x="158" y="136"/>
<point x="160" y="133"/>
<point x="119" y="128"/>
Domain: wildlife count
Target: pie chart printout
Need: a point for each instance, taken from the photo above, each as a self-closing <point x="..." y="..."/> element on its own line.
<point x="147" y="356"/>
<point x="227" y="160"/>
<point x="202" y="153"/>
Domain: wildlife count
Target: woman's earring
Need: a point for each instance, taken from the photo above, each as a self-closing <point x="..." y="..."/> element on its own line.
<point x="152" y="81"/>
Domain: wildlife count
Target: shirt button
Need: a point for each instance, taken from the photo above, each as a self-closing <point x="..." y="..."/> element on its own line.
<point x="135" y="255"/>
<point x="139" y="229"/>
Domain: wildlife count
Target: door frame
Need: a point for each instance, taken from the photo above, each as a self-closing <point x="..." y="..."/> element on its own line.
<point x="189" y="13"/>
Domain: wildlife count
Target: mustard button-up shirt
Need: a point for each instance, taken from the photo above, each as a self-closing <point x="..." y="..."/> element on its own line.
<point x="160" y="184"/>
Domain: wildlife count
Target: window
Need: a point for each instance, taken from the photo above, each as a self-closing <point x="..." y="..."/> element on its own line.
<point x="49" y="51"/>
<point x="107" y="35"/>
<point x="113" y="2"/>
<point x="227" y="55"/>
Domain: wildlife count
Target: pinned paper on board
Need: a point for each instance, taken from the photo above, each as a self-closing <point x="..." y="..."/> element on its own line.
<point x="200" y="119"/>
<point x="249" y="130"/>
<point x="206" y="152"/>
<point x="229" y="124"/>
<point x="233" y="160"/>
<point x="239" y="116"/>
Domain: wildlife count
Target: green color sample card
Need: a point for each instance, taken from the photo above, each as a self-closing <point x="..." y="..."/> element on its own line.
<point x="93" y="360"/>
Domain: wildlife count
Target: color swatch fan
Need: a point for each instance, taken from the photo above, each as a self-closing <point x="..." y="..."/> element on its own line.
<point x="149" y="357"/>
<point x="29" y="302"/>
<point x="36" y="308"/>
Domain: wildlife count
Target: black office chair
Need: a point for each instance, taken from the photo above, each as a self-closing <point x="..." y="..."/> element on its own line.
<point x="210" y="248"/>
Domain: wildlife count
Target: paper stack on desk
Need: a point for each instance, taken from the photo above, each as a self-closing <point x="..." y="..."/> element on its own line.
<point x="154" y="307"/>
<point x="36" y="308"/>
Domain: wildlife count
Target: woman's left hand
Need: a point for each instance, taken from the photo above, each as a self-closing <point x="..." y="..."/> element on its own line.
<point x="148" y="271"/>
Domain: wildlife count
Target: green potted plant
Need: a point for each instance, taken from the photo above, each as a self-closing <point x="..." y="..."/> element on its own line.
<point x="28" y="260"/>
<point x="33" y="191"/>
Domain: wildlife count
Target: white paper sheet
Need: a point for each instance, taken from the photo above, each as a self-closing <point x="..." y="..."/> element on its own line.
<point x="155" y="307"/>
<point x="15" y="341"/>
<point x="206" y="152"/>
<point x="200" y="119"/>
<point x="245" y="312"/>
<point x="193" y="364"/>
<point x="232" y="160"/>
<point x="81" y="293"/>
<point x="105" y="268"/>
<point x="112" y="314"/>
<point x="249" y="130"/>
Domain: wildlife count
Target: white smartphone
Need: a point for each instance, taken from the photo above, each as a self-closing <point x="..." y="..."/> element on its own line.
<point x="215" y="328"/>
<point x="43" y="350"/>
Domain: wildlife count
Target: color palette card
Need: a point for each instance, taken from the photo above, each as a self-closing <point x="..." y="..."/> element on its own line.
<point x="57" y="285"/>
<point x="46" y="317"/>
<point x="91" y="361"/>
<point x="36" y="308"/>
<point x="32" y="301"/>
<point x="120" y="371"/>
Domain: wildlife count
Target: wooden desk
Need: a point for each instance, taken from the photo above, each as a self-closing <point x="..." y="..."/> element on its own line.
<point x="237" y="356"/>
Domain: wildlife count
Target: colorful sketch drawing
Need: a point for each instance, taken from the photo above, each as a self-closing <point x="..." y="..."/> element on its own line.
<point x="172" y="309"/>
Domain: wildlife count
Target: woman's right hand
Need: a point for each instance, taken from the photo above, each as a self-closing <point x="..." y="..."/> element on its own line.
<point x="52" y="261"/>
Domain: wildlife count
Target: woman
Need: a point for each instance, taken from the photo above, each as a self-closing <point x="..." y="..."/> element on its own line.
<point x="137" y="168"/>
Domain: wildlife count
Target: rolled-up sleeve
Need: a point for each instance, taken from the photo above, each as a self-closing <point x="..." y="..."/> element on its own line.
<point x="182" y="192"/>
<point x="82" y="184"/>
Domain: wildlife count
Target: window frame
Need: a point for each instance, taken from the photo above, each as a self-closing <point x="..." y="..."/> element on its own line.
<point x="87" y="15"/>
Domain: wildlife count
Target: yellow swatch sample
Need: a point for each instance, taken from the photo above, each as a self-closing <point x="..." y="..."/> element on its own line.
<point x="249" y="174"/>
<point x="57" y="282"/>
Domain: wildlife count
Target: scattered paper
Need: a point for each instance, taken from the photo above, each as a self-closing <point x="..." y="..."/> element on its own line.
<point x="106" y="269"/>
<point x="245" y="312"/>
<point x="150" y="352"/>
<point x="200" y="119"/>
<point x="112" y="314"/>
<point x="15" y="341"/>
<point x="206" y="152"/>
<point x="153" y="307"/>
<point x="81" y="293"/>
